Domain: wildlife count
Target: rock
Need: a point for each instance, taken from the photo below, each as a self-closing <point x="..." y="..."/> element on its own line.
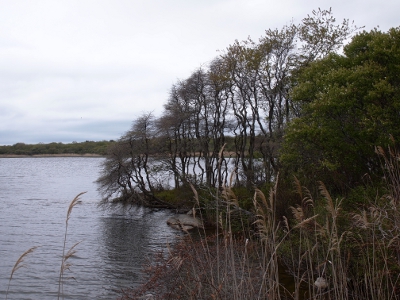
<point x="192" y="212"/>
<point x="147" y="297"/>
<point x="184" y="222"/>
<point x="321" y="283"/>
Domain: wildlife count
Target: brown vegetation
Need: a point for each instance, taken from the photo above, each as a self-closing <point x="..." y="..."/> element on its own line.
<point x="318" y="251"/>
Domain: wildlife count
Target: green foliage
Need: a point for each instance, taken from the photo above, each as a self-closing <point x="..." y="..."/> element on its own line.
<point x="244" y="196"/>
<point x="362" y="195"/>
<point x="181" y="196"/>
<point x="347" y="104"/>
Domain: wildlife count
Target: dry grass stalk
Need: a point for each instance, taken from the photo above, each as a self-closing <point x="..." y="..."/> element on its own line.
<point x="196" y="195"/>
<point x="391" y="167"/>
<point x="220" y="157"/>
<point x="71" y="251"/>
<point x="73" y="203"/>
<point x="361" y="220"/>
<point x="227" y="192"/>
<point x="19" y="264"/>
<point x="330" y="206"/>
<point x="297" y="213"/>
<point x="268" y="230"/>
<point x="304" y="223"/>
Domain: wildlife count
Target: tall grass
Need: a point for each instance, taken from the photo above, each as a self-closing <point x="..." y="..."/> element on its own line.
<point x="224" y="265"/>
<point x="315" y="257"/>
<point x="317" y="251"/>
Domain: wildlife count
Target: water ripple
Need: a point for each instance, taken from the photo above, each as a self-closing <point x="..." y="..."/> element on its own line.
<point x="34" y="197"/>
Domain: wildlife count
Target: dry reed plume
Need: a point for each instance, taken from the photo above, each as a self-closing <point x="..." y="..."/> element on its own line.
<point x="19" y="264"/>
<point x="65" y="256"/>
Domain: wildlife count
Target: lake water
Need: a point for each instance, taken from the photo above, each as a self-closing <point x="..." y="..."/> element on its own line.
<point x="115" y="244"/>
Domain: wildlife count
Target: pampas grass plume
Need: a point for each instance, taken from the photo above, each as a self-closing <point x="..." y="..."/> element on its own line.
<point x="19" y="264"/>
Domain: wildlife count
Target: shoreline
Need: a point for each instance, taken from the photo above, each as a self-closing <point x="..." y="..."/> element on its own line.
<point x="50" y="155"/>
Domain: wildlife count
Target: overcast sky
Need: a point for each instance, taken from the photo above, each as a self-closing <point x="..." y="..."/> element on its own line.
<point x="84" y="70"/>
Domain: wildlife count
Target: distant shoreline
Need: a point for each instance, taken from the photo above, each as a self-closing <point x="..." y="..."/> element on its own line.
<point x="50" y="155"/>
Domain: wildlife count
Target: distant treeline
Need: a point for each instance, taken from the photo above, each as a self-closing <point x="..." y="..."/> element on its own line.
<point x="88" y="147"/>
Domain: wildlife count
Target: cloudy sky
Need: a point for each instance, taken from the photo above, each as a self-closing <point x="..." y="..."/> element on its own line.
<point x="85" y="69"/>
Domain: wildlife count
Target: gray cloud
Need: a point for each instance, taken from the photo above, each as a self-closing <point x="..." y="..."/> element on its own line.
<point x="83" y="70"/>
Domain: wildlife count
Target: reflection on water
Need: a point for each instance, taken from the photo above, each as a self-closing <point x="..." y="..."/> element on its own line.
<point x="34" y="198"/>
<point x="130" y="238"/>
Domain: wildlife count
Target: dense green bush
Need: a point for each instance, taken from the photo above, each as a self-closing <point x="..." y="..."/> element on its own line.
<point x="347" y="104"/>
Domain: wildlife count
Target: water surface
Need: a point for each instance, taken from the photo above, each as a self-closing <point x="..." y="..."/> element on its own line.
<point x="34" y="197"/>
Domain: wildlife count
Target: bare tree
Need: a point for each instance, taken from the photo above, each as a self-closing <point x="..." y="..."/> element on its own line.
<point x="127" y="170"/>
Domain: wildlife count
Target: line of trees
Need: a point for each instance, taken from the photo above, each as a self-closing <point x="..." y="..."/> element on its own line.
<point x="87" y="147"/>
<point x="242" y="97"/>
